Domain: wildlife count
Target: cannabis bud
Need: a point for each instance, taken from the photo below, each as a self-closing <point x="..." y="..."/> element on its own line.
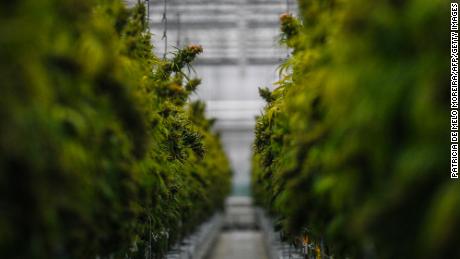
<point x="182" y="57"/>
<point x="289" y="25"/>
<point x="286" y="17"/>
<point x="192" y="84"/>
<point x="266" y="94"/>
<point x="195" y="49"/>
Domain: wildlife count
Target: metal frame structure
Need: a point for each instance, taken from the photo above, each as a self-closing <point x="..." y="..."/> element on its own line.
<point x="232" y="32"/>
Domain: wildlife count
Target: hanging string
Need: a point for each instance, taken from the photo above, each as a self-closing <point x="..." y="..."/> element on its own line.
<point x="147" y="14"/>
<point x="288" y="11"/>
<point x="147" y="6"/>
<point x="165" y="31"/>
<point x="150" y="238"/>
<point x="178" y="29"/>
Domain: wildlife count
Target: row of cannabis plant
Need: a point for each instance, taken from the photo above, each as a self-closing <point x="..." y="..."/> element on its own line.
<point x="101" y="153"/>
<point x="352" y="148"/>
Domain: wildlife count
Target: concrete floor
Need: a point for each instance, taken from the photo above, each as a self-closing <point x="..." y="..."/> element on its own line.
<point x="239" y="244"/>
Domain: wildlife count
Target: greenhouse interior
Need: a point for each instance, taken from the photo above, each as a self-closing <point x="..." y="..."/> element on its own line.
<point x="229" y="129"/>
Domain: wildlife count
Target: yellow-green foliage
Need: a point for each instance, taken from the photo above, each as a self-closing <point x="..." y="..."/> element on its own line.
<point x="353" y="145"/>
<point x="100" y="154"/>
